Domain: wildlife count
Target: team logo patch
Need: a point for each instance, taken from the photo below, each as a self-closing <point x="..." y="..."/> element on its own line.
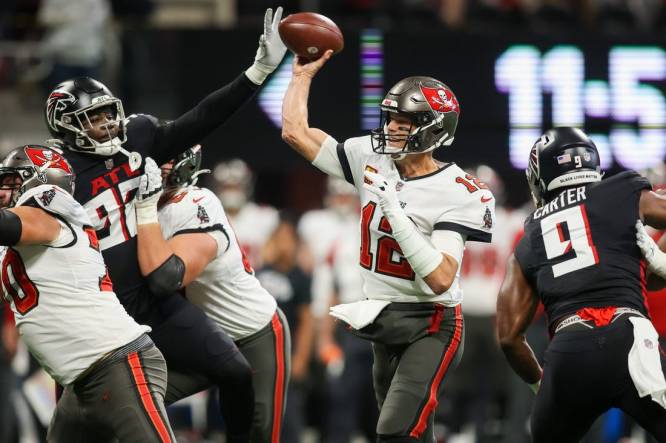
<point x="47" y="197"/>
<point x="57" y="101"/>
<point x="441" y="99"/>
<point x="41" y="157"/>
<point x="488" y="219"/>
<point x="202" y="214"/>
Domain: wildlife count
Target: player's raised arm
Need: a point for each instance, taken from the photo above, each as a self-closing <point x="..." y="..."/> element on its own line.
<point x="296" y="130"/>
<point x="516" y="305"/>
<point x="191" y="127"/>
<point x="167" y="266"/>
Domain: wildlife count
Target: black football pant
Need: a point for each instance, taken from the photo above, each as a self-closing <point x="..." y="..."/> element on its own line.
<point x="585" y="374"/>
<point x="199" y="354"/>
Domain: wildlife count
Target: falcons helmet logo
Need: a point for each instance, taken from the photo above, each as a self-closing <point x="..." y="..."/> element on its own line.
<point x="57" y="101"/>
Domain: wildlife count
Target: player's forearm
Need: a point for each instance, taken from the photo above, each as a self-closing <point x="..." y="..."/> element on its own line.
<point x="27" y="226"/>
<point x="295" y="127"/>
<point x="521" y="358"/>
<point x="441" y="279"/>
<point x="152" y="249"/>
<point x="197" y="123"/>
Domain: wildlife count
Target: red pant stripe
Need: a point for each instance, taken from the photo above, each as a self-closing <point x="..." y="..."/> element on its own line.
<point x="431" y="404"/>
<point x="147" y="398"/>
<point x="278" y="396"/>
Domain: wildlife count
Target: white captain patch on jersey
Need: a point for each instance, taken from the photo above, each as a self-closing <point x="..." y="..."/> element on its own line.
<point x="448" y="199"/>
<point x="227" y="290"/>
<point x="63" y="302"/>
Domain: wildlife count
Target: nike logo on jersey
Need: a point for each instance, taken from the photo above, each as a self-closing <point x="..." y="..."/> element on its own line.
<point x="485" y="199"/>
<point x="197" y="200"/>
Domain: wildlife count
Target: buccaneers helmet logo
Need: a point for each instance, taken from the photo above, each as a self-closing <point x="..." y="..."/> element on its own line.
<point x="57" y="101"/>
<point x="441" y="99"/>
<point x="41" y="157"/>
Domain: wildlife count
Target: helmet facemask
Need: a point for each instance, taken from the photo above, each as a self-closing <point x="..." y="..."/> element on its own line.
<point x="76" y="121"/>
<point x="426" y="133"/>
<point x="185" y="171"/>
<point x="10" y="180"/>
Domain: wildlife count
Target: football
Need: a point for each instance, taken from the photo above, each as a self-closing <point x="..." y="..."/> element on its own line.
<point x="309" y="35"/>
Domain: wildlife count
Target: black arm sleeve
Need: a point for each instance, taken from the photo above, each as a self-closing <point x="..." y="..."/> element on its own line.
<point x="10" y="228"/>
<point x="174" y="137"/>
<point x="168" y="277"/>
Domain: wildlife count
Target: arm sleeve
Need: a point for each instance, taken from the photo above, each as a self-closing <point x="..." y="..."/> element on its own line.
<point x="344" y="160"/>
<point x="173" y="137"/>
<point x="327" y="159"/>
<point x="198" y="212"/>
<point x="451" y="243"/>
<point x="472" y="219"/>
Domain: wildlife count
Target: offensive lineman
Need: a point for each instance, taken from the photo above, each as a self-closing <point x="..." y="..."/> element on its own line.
<point x="218" y="278"/>
<point x="416" y="215"/>
<point x="55" y="281"/>
<point x="579" y="257"/>
<point x="97" y="139"/>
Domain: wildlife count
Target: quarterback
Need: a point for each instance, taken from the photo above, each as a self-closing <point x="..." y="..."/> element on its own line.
<point x="416" y="215"/>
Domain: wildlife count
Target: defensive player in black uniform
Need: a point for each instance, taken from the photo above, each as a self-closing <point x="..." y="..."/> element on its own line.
<point x="106" y="151"/>
<point x="579" y="257"/>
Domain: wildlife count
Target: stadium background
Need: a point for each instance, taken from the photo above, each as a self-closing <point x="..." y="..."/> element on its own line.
<point x="517" y="67"/>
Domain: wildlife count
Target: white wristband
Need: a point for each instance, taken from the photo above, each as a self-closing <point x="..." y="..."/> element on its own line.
<point x="146" y="215"/>
<point x="419" y="252"/>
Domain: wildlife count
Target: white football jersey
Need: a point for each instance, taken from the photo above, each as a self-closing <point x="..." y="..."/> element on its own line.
<point x="63" y="300"/>
<point x="227" y="290"/>
<point x="254" y="225"/>
<point x="448" y="199"/>
<point x="484" y="264"/>
<point x="333" y="239"/>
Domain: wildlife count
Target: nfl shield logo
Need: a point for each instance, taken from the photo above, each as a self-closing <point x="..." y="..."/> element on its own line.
<point x="398" y="186"/>
<point x="108" y="163"/>
<point x="648" y="343"/>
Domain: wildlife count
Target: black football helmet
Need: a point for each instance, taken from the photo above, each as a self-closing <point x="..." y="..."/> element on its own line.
<point x="185" y="171"/>
<point x="432" y="108"/>
<point x="72" y="103"/>
<point x="562" y="157"/>
<point x="36" y="165"/>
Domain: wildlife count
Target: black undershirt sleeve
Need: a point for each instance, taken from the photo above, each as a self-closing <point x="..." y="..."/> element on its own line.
<point x="10" y="228"/>
<point x="173" y="137"/>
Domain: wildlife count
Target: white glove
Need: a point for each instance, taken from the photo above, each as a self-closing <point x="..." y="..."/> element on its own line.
<point x="148" y="194"/>
<point x="419" y="252"/>
<point x="271" y="49"/>
<point x="655" y="258"/>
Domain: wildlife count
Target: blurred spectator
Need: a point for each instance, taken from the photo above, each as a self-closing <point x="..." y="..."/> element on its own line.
<point x="8" y="346"/>
<point x="254" y="224"/>
<point x="282" y="277"/>
<point x="332" y="234"/>
<point x="74" y="41"/>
